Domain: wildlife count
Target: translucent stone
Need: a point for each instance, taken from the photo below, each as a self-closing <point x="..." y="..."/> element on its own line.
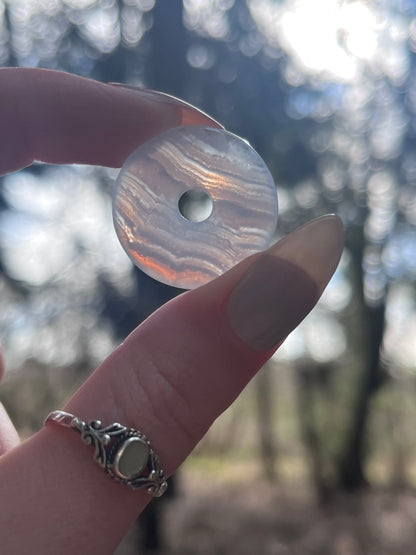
<point x="131" y="458"/>
<point x="191" y="203"/>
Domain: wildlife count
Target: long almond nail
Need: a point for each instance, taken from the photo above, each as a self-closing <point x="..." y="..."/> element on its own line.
<point x="283" y="285"/>
<point x="189" y="115"/>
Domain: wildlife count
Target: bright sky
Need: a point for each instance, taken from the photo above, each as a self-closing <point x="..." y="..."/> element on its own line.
<point x="323" y="36"/>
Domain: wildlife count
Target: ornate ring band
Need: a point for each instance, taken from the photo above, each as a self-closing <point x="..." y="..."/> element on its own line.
<point x="124" y="453"/>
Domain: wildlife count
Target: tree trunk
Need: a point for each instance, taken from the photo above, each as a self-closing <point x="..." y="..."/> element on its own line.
<point x="351" y="474"/>
<point x="311" y="436"/>
<point x="265" y="402"/>
<point x="168" y="69"/>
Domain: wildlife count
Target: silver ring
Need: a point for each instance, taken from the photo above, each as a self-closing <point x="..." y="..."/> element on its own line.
<point x="124" y="453"/>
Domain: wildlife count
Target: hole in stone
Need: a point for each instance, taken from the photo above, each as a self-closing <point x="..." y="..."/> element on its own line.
<point x="195" y="205"/>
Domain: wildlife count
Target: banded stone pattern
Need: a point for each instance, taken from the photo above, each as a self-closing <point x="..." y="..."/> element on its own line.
<point x="150" y="227"/>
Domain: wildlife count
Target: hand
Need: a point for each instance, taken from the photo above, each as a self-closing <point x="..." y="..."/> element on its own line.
<point x="178" y="371"/>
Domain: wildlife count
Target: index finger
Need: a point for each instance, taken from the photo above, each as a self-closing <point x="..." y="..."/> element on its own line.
<point x="59" y="118"/>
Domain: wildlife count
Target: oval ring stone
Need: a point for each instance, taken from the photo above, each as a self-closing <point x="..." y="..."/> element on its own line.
<point x="159" y="238"/>
<point x="131" y="458"/>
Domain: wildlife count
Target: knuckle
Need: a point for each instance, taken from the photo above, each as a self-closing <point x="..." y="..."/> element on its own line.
<point x="157" y="390"/>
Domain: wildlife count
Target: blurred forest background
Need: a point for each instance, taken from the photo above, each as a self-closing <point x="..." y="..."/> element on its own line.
<point x="319" y="454"/>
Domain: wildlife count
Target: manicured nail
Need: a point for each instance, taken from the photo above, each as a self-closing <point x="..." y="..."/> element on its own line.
<point x="286" y="281"/>
<point x="189" y="115"/>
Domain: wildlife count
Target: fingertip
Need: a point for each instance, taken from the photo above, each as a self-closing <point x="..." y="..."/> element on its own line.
<point x="69" y="119"/>
<point x="189" y="114"/>
<point x="268" y="295"/>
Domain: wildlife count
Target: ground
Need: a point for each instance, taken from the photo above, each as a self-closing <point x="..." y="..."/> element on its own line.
<point x="256" y="519"/>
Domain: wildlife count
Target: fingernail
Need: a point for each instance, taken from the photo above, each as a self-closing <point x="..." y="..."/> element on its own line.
<point x="283" y="285"/>
<point x="189" y="115"/>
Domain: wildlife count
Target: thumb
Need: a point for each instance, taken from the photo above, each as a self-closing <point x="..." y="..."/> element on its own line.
<point x="170" y="379"/>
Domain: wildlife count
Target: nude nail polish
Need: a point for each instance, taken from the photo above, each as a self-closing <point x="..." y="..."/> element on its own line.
<point x="285" y="282"/>
<point x="190" y="115"/>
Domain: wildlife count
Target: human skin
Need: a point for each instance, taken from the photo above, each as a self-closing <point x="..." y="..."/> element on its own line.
<point x="181" y="368"/>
